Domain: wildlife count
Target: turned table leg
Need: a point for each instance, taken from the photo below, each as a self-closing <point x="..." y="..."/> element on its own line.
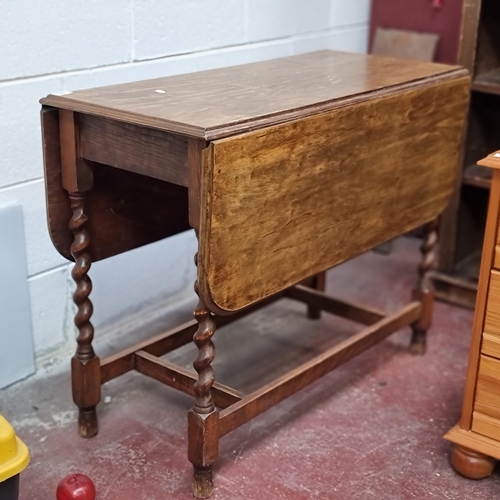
<point x="471" y="464"/>
<point x="425" y="289"/>
<point x="85" y="365"/>
<point x="203" y="418"/>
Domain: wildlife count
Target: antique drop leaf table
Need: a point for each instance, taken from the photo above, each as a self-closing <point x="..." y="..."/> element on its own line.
<point x="284" y="169"/>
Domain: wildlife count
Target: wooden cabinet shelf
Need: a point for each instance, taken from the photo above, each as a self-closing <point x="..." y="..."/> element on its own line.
<point x="474" y="175"/>
<point x="459" y="286"/>
<point x="463" y="223"/>
<point x="489" y="83"/>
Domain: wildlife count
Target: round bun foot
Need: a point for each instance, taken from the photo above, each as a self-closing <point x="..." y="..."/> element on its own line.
<point x="87" y="423"/>
<point x="202" y="482"/>
<point x="470" y="463"/>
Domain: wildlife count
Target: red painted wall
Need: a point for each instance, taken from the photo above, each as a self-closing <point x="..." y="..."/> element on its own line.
<point x="421" y="15"/>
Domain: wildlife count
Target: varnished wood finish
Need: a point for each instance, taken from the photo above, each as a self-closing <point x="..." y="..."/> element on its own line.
<point x="283" y="169"/>
<point x="222" y="102"/>
<point x="141" y="150"/>
<point x="318" y="282"/>
<point x="195" y="162"/>
<point x="320" y="301"/>
<point x="477" y="437"/>
<point x="58" y="206"/>
<point x="68" y="219"/>
<point x="270" y="395"/>
<point x="486" y="425"/>
<point x="77" y="179"/>
<point x="159" y="345"/>
<point x="164" y="371"/>
<point x="425" y="289"/>
<point x="203" y="363"/>
<point x="120" y="202"/>
<point x="287" y="223"/>
<point x="492" y="318"/>
<point x="117" y="205"/>
<point x="470" y="463"/>
<point x="486" y="399"/>
<point x="203" y="450"/>
<point x="475" y="441"/>
<point x="482" y="293"/>
<point x="181" y="379"/>
<point x="491" y="161"/>
<point x="203" y="418"/>
<point x="491" y="345"/>
<point x="76" y="174"/>
<point x="124" y="361"/>
<point x="85" y="365"/>
<point x="496" y="259"/>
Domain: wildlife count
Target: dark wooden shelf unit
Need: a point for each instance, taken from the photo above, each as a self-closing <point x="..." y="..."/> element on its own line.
<point x="489" y="83"/>
<point x="462" y="225"/>
<point x="474" y="175"/>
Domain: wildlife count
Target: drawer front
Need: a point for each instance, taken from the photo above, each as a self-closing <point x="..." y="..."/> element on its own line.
<point x="492" y="318"/>
<point x="491" y="345"/>
<point x="486" y="425"/>
<point x="487" y="400"/>
<point x="496" y="260"/>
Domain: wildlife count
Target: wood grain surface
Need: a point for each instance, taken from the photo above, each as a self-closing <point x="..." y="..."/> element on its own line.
<point x="271" y="394"/>
<point x="58" y="207"/>
<point x="471" y="463"/>
<point x="488" y="387"/>
<point x="125" y="210"/>
<point x="492" y="319"/>
<point x="486" y="425"/>
<point x="221" y="102"/>
<point x="142" y="150"/>
<point x="181" y="379"/>
<point x="473" y="440"/>
<point x="496" y="258"/>
<point x="491" y="345"/>
<point x="298" y="198"/>
<point x="491" y="161"/>
<point x="487" y="260"/>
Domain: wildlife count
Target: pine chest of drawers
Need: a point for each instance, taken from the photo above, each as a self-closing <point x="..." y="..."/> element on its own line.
<point x="476" y="437"/>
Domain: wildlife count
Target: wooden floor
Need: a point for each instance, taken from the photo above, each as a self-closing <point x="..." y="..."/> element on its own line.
<point x="370" y="430"/>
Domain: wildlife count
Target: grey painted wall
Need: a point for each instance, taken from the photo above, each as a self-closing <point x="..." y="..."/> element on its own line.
<point x="16" y="338"/>
<point x="57" y="49"/>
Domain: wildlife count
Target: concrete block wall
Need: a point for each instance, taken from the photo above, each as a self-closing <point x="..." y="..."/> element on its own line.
<point x="50" y="47"/>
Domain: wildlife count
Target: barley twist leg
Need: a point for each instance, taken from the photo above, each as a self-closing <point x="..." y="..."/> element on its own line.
<point x="85" y="365"/>
<point x="425" y="288"/>
<point x="203" y="418"/>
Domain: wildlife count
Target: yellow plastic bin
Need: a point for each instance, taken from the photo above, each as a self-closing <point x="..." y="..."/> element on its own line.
<point x="14" y="457"/>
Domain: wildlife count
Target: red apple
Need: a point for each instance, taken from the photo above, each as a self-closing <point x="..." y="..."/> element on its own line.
<point x="76" y="487"/>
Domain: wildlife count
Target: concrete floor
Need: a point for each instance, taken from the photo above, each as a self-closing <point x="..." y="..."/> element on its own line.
<point x="369" y="430"/>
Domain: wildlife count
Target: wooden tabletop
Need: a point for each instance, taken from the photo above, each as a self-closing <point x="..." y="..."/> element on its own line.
<point x="222" y="102"/>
